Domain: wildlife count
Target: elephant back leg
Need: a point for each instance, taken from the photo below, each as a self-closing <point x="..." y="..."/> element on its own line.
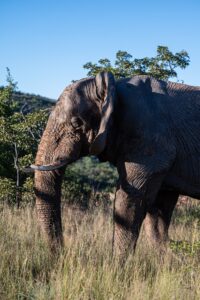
<point x="158" y="218"/>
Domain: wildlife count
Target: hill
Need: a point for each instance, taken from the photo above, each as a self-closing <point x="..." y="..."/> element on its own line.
<point x="31" y="102"/>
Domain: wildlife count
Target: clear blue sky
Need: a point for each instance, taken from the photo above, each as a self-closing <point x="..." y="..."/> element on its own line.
<point x="45" y="43"/>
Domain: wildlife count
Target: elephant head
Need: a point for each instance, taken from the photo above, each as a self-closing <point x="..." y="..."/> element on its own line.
<point x="78" y="126"/>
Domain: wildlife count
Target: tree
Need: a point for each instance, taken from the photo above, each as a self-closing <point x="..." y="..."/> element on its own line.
<point x="19" y="137"/>
<point x="162" y="66"/>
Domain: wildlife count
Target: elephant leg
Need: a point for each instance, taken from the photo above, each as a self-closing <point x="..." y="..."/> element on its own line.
<point x="128" y="217"/>
<point x="139" y="184"/>
<point x="158" y="218"/>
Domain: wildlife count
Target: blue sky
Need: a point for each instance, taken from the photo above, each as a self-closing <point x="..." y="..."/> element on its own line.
<point x="45" y="43"/>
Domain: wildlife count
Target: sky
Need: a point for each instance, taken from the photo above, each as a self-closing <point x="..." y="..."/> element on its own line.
<point x="45" y="43"/>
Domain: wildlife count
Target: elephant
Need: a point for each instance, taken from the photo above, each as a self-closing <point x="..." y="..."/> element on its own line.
<point x="148" y="128"/>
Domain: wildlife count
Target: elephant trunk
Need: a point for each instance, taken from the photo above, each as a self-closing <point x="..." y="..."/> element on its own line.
<point x="48" y="200"/>
<point x="48" y="183"/>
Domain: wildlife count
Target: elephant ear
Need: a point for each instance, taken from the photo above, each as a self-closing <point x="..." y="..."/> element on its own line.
<point x="106" y="92"/>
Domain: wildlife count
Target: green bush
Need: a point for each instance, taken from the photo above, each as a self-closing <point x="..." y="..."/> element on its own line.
<point x="7" y="190"/>
<point x="88" y="182"/>
<point x="19" y="137"/>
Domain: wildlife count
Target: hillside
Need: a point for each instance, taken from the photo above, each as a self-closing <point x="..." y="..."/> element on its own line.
<point x="31" y="102"/>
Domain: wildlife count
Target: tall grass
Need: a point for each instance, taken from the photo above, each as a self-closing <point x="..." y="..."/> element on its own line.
<point x="84" y="269"/>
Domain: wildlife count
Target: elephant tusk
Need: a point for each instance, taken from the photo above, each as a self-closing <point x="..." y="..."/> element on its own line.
<point x="49" y="167"/>
<point x="27" y="170"/>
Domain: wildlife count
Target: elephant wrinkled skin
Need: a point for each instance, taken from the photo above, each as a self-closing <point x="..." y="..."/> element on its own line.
<point x="149" y="129"/>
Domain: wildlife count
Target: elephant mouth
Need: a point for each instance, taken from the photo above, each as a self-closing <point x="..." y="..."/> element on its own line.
<point x="49" y="167"/>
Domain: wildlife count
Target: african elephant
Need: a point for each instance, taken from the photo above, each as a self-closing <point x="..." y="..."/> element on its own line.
<point x="149" y="129"/>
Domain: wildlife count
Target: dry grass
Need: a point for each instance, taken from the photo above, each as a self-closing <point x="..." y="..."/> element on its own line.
<point x="85" y="270"/>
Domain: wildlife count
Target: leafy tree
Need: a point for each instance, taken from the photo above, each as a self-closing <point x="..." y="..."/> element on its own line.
<point x="19" y="137"/>
<point x="162" y="66"/>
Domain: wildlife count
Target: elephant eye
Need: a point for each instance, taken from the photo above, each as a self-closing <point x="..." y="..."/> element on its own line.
<point x="76" y="122"/>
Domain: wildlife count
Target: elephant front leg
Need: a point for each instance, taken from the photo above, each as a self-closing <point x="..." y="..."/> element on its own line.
<point x="128" y="217"/>
<point x="140" y="179"/>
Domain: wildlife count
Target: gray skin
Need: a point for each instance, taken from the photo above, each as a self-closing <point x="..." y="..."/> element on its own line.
<point x="148" y="129"/>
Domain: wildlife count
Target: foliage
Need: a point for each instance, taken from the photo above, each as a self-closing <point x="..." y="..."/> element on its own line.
<point x="162" y="66"/>
<point x="19" y="137"/>
<point x="87" y="180"/>
<point x="7" y="190"/>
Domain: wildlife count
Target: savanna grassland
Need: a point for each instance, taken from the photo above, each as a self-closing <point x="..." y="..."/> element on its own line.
<point x="85" y="268"/>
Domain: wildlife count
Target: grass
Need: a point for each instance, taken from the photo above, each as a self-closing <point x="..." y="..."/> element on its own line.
<point x="85" y="269"/>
